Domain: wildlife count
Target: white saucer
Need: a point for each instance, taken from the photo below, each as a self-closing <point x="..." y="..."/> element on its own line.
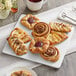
<point x="20" y="68"/>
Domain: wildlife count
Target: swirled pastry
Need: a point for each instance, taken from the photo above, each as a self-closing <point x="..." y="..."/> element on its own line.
<point x="61" y="27"/>
<point x="38" y="45"/>
<point x="21" y="73"/>
<point x="29" y="21"/>
<point x="17" y="45"/>
<point x="56" y="37"/>
<point x="41" y="29"/>
<point x="52" y="54"/>
<point x="21" y="34"/>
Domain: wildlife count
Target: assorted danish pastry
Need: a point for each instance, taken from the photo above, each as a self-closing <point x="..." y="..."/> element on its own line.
<point x="21" y="73"/>
<point x="29" y="21"/>
<point x="41" y="29"/>
<point x="45" y="37"/>
<point x="38" y="45"/>
<point x="56" y="37"/>
<point x="17" y="45"/>
<point x="18" y="32"/>
<point x="61" y="27"/>
<point x="52" y="54"/>
<point x="17" y="40"/>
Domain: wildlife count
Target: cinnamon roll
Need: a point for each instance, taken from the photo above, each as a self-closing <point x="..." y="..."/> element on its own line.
<point x="38" y="45"/>
<point x="41" y="29"/>
<point x="52" y="54"/>
<point x="29" y="21"/>
<point x="61" y="27"/>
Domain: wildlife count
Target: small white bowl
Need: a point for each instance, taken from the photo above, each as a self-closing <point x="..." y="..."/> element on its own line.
<point x="10" y="71"/>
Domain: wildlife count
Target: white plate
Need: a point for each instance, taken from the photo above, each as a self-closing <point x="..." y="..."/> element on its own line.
<point x="6" y="71"/>
<point x="9" y="72"/>
<point x="45" y="17"/>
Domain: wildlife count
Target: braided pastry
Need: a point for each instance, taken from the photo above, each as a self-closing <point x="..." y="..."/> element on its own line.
<point x="61" y="27"/>
<point x="56" y="37"/>
<point x="17" y="45"/>
<point x="21" y="34"/>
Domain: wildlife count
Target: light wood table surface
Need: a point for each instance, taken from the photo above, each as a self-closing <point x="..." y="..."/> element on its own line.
<point x="68" y="67"/>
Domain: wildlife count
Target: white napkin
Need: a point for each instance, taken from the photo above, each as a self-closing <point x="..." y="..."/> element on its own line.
<point x="65" y="13"/>
<point x="71" y="12"/>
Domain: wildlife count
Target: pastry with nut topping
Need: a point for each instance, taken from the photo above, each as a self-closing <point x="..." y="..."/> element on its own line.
<point x="41" y="29"/>
<point x="52" y="54"/>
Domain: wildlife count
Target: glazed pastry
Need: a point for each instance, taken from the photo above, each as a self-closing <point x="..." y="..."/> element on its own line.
<point x="21" y="73"/>
<point x="56" y="37"/>
<point x="52" y="54"/>
<point x="41" y="29"/>
<point x="29" y="21"/>
<point x="38" y="45"/>
<point x="61" y="27"/>
<point x="21" y="34"/>
<point x="17" y="45"/>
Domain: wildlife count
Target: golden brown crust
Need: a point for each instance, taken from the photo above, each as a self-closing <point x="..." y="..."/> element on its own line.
<point x="24" y="21"/>
<point x="17" y="40"/>
<point x="38" y="45"/>
<point x="21" y="34"/>
<point x="41" y="29"/>
<point x="17" y="45"/>
<point x="56" y="37"/>
<point x="21" y="73"/>
<point x="52" y="55"/>
<point x="61" y="27"/>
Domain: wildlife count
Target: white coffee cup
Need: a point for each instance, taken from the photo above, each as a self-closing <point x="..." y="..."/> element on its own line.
<point x="35" y="6"/>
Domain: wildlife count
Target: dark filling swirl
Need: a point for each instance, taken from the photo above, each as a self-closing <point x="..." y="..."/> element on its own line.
<point x="50" y="52"/>
<point x="40" y="28"/>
